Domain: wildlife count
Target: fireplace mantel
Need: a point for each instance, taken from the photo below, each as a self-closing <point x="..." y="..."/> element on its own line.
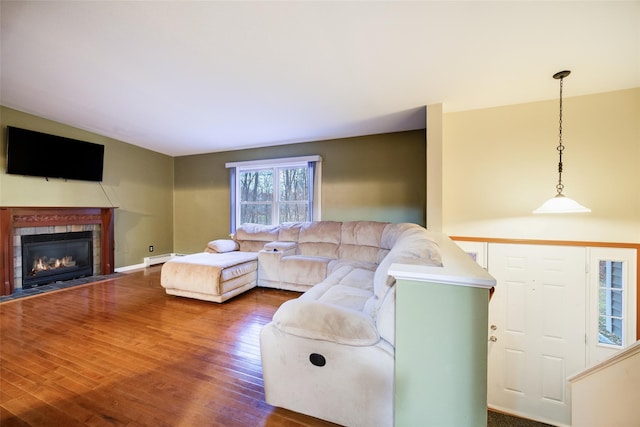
<point x="14" y="217"/>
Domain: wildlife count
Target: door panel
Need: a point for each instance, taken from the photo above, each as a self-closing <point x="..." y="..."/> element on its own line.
<point x="538" y="311"/>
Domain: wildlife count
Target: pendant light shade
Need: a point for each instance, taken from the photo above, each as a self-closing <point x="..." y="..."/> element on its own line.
<point x="560" y="203"/>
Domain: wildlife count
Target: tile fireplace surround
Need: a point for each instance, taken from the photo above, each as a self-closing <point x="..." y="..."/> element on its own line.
<point x="14" y="221"/>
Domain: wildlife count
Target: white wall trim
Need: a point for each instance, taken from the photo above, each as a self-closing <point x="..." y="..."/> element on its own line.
<point x="129" y="268"/>
<point x="148" y="262"/>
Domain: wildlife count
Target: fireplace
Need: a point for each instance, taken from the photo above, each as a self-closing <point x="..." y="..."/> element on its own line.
<point x="55" y="257"/>
<point x="16" y="222"/>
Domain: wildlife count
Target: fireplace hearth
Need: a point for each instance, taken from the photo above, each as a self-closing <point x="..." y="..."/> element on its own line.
<point x="48" y="258"/>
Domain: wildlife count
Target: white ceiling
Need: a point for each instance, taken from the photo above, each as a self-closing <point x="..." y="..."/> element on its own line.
<point x="181" y="77"/>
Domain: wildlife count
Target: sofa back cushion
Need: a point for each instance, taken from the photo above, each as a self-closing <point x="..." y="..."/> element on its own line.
<point x="360" y="241"/>
<point x="252" y="237"/>
<point x="392" y="233"/>
<point x="320" y="238"/>
<point x="412" y="246"/>
<point x="289" y="231"/>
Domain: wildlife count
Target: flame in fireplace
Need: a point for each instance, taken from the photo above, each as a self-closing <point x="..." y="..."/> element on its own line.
<point x="46" y="264"/>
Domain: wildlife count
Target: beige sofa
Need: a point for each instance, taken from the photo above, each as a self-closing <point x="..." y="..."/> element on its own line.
<point x="291" y="256"/>
<point x="330" y="352"/>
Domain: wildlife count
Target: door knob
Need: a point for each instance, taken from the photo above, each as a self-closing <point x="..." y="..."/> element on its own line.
<point x="493" y="338"/>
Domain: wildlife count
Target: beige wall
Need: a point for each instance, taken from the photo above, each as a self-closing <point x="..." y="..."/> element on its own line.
<point x="378" y="177"/>
<point x="612" y="385"/>
<point x="499" y="164"/>
<point x="138" y="182"/>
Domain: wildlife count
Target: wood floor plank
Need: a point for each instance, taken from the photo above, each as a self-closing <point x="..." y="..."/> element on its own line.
<point x="123" y="353"/>
<point x="36" y="412"/>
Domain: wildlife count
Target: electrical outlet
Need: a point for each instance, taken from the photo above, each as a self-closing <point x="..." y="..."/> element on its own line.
<point x="151" y="248"/>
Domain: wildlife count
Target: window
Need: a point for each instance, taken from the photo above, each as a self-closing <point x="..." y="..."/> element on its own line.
<point x="612" y="312"/>
<point x="610" y="303"/>
<point x="275" y="191"/>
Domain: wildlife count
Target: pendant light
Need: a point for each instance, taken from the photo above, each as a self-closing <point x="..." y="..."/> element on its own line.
<point x="560" y="203"/>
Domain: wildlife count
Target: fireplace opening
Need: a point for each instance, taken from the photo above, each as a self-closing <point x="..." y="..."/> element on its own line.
<point x="56" y="257"/>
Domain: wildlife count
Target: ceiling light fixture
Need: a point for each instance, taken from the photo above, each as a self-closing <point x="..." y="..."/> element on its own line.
<point x="560" y="203"/>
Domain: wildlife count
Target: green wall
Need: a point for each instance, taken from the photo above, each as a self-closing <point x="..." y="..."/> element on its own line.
<point x="377" y="177"/>
<point x="178" y="204"/>
<point x="454" y="394"/>
<point x="137" y="181"/>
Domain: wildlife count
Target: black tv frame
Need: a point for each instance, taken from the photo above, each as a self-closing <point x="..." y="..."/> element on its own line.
<point x="32" y="153"/>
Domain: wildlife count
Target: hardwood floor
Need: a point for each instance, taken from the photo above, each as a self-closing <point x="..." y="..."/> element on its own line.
<point x="123" y="353"/>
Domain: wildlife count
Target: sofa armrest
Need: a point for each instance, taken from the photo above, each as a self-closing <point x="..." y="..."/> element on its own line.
<point x="269" y="268"/>
<point x="328" y="322"/>
<point x="288" y="247"/>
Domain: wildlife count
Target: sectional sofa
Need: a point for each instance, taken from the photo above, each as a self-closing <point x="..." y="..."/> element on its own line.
<point x="330" y="352"/>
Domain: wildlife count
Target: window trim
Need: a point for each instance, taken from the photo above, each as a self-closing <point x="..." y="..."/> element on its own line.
<point x="276" y="162"/>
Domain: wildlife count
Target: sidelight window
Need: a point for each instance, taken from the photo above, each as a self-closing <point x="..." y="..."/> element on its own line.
<point x="611" y="303"/>
<point x="612" y="276"/>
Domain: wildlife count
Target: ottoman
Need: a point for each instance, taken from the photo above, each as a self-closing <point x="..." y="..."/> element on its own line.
<point x="210" y="276"/>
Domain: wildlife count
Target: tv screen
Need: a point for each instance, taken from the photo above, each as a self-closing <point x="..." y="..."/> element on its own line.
<point x="39" y="154"/>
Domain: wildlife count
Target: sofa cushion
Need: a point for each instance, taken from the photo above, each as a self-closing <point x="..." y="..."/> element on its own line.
<point x="258" y="232"/>
<point x="359" y="253"/>
<point x="220" y="261"/>
<point x="392" y="233"/>
<point x="359" y="278"/>
<point x="252" y="237"/>
<point x="315" y="293"/>
<point x="354" y="274"/>
<point x="346" y="297"/>
<point x="289" y="231"/>
<point x="362" y="233"/>
<point x="328" y="322"/>
<point x="320" y="238"/>
<point x="303" y="270"/>
<point x="338" y="264"/>
<point x="413" y="246"/>
<point x="222" y="245"/>
<point x="237" y="270"/>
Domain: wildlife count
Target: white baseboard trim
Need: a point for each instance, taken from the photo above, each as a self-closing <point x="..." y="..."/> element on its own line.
<point x="159" y="259"/>
<point x="148" y="262"/>
<point x="129" y="268"/>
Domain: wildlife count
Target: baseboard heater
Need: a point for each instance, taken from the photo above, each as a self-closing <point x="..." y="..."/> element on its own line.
<point x="159" y="259"/>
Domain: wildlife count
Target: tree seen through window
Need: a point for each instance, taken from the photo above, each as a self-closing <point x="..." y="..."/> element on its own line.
<point x="274" y="195"/>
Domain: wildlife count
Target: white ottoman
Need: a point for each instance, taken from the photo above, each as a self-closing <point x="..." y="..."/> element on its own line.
<point x="210" y="276"/>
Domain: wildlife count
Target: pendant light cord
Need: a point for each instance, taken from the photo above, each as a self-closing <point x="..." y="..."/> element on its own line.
<point x="560" y="203"/>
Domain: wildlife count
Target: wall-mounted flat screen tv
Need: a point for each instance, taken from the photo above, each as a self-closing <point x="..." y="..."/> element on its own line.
<point x="39" y="154"/>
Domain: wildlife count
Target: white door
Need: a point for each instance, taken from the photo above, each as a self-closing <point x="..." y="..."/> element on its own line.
<point x="537" y="328"/>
